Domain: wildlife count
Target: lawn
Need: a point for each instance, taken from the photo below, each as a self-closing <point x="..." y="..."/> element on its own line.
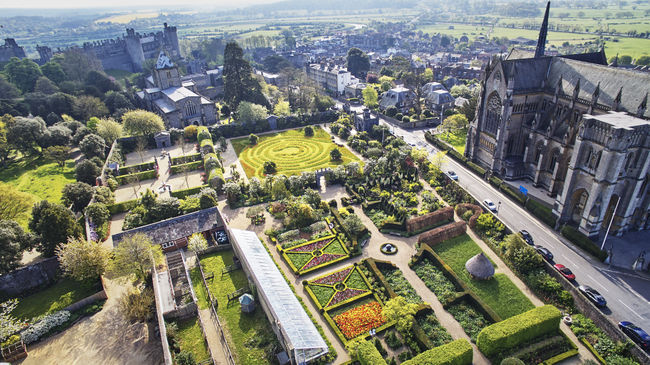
<point x="54" y="298"/>
<point x="499" y="293"/>
<point x="292" y="152"/>
<point x="247" y="334"/>
<point x="190" y="338"/>
<point x="456" y="139"/>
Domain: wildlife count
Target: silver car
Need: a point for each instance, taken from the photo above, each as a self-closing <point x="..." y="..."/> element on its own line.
<point x="490" y="205"/>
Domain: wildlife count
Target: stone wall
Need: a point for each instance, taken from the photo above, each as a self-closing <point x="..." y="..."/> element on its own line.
<point x="29" y="278"/>
<point x="443" y="233"/>
<point x="101" y="295"/>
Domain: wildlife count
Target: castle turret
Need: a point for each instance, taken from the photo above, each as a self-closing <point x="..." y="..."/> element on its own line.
<point x="45" y="54"/>
<point x="165" y="73"/>
<point x="171" y="41"/>
<point x="134" y="49"/>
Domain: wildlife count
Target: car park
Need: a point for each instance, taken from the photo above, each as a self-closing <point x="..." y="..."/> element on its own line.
<point x="452" y="175"/>
<point x="527" y="237"/>
<point x="564" y="271"/>
<point x="593" y="295"/>
<point x="636" y="334"/>
<point x="490" y="205"/>
<point x="546" y="254"/>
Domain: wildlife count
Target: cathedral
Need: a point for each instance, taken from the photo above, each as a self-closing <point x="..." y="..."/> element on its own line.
<point x="176" y="101"/>
<point x="572" y="125"/>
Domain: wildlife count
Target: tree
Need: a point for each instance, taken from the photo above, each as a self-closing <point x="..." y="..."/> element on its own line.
<point x="336" y="155"/>
<point x="279" y="189"/>
<point x="402" y="312"/>
<point x="45" y="86"/>
<point x="270" y="167"/>
<point x="86" y="171"/>
<point x="23" y="73"/>
<point x="86" y="106"/>
<point x="233" y="192"/>
<point x="13" y="241"/>
<point x="81" y="259"/>
<point x="53" y="71"/>
<point x="142" y="122"/>
<point x="135" y="305"/>
<point x="115" y="101"/>
<point x="238" y="81"/>
<point x="77" y="63"/>
<point x="56" y="135"/>
<point x="197" y="243"/>
<point x="252" y="139"/>
<point x="93" y="145"/>
<point x="643" y="60"/>
<point x="54" y="224"/>
<point x="5" y="148"/>
<point x="14" y="204"/>
<point x="309" y="131"/>
<point x="282" y="108"/>
<point x="370" y="97"/>
<point x="109" y="130"/>
<point x="358" y="62"/>
<point x="352" y="223"/>
<point x="9" y="324"/>
<point x="26" y="134"/>
<point x="275" y="63"/>
<point x="135" y="255"/>
<point x="251" y="113"/>
<point x="469" y="108"/>
<point x="460" y="91"/>
<point x="77" y="194"/>
<point x="7" y="89"/>
<point x="322" y="102"/>
<point x="455" y="123"/>
<point x="98" y="213"/>
<point x="101" y="81"/>
<point x="438" y="159"/>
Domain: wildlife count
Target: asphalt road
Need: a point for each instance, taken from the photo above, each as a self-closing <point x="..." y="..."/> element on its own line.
<point x="627" y="293"/>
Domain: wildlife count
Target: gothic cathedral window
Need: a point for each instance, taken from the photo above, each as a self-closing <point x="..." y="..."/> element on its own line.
<point x="493" y="115"/>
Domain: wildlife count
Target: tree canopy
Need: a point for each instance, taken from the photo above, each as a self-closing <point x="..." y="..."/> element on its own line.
<point x="13" y="241"/>
<point x="82" y="259"/>
<point x="251" y="113"/>
<point x="77" y="194"/>
<point x="135" y="255"/>
<point x="238" y="81"/>
<point x="23" y="73"/>
<point x="54" y="224"/>
<point x="142" y="122"/>
<point x="358" y="62"/>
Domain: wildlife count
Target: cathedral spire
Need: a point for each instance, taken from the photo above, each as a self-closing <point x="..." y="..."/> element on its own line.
<point x="643" y="107"/>
<point x="541" y="41"/>
<point x="617" y="100"/>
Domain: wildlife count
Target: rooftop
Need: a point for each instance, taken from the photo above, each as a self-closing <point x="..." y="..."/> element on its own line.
<point x="618" y="120"/>
<point x="179" y="93"/>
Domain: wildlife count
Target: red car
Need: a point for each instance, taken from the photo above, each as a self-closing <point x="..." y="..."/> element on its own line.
<point x="564" y="271"/>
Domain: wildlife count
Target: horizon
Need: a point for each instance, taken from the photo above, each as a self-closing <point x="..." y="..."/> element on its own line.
<point x="124" y="5"/>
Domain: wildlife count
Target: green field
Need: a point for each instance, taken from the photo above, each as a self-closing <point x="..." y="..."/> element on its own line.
<point x="190" y="338"/>
<point x="499" y="293"/>
<point x="54" y="298"/>
<point x="291" y="151"/>
<point x="456" y="139"/>
<point x="248" y="334"/>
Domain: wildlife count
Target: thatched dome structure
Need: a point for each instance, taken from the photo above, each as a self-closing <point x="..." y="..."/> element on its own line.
<point x="480" y="267"/>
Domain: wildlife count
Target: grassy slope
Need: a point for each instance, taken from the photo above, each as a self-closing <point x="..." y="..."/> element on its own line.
<point x="499" y="293"/>
<point x="456" y="140"/>
<point x="241" y="327"/>
<point x="54" y="298"/>
<point x="191" y="338"/>
<point x="298" y="154"/>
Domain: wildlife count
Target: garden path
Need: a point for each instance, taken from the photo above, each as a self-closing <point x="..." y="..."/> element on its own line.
<point x="229" y="157"/>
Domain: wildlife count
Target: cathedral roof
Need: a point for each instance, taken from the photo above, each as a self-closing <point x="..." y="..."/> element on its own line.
<point x="526" y="73"/>
<point x="163" y="61"/>
<point x="592" y="57"/>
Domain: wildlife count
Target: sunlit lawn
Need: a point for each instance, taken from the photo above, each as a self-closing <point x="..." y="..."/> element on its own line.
<point x="455" y="139"/>
<point x="190" y="338"/>
<point x="55" y="298"/>
<point x="39" y="177"/>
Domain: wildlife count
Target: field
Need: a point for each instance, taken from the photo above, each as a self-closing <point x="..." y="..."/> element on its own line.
<point x="455" y="139"/>
<point x="190" y="338"/>
<point x="127" y="18"/>
<point x="54" y="298"/>
<point x="291" y="151"/>
<point x="499" y="293"/>
<point x="248" y="334"/>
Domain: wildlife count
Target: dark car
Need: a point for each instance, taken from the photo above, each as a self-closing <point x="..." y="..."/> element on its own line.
<point x="546" y="254"/>
<point x="564" y="271"/>
<point x="593" y="295"/>
<point x="527" y="237"/>
<point x="636" y="334"/>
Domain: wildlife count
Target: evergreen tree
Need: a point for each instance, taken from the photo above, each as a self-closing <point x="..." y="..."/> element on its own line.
<point x="238" y="81"/>
<point x="358" y="62"/>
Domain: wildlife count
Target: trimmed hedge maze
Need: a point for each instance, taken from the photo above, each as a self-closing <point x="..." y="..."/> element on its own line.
<point x="292" y="152"/>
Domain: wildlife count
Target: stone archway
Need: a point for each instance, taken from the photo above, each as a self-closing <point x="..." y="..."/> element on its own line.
<point x="578" y="203"/>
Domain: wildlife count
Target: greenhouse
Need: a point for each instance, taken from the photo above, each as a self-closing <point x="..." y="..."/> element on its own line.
<point x="290" y="322"/>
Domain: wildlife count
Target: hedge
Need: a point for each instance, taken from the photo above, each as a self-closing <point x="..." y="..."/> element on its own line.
<point x="125" y="170"/>
<point x="583" y="242"/>
<point x="202" y="133"/>
<point x="443" y="233"/>
<point x="457" y="352"/>
<point x="508" y="334"/>
<point x="191" y="166"/>
<point x="181" y="194"/>
<point x="368" y="354"/>
<point x="185" y="159"/>
<point x="545" y="214"/>
<point x="122" y="207"/>
<point x="145" y="175"/>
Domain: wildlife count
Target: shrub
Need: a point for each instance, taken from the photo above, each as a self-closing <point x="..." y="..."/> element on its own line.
<point x="391" y="111"/>
<point x="542" y="212"/>
<point x="309" y="131"/>
<point x="512" y="361"/>
<point x="270" y="167"/>
<point x="507" y="334"/>
<point x="367" y="353"/>
<point x="458" y="352"/>
<point x="583" y="242"/>
<point x="37" y="330"/>
<point x="136" y="306"/>
<point x="185" y="358"/>
<point x="399" y="116"/>
<point x="406" y="119"/>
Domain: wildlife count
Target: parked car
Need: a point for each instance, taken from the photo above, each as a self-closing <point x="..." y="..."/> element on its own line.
<point x="527" y="237"/>
<point x="452" y="175"/>
<point x="593" y="295"/>
<point x="490" y="205"/>
<point x="635" y="333"/>
<point x="546" y="254"/>
<point x="564" y="271"/>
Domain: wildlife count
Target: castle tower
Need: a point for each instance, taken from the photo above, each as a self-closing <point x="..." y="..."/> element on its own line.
<point x="541" y="41"/>
<point x="45" y="54"/>
<point x="165" y="73"/>
<point x="134" y="49"/>
<point x="171" y="41"/>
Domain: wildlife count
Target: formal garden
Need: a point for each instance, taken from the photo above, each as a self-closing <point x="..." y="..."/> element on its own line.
<point x="292" y="152"/>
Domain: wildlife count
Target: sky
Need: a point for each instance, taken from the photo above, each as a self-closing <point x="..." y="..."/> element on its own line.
<point x="116" y="4"/>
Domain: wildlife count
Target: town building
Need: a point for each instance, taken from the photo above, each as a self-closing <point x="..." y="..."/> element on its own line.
<point x="176" y="101"/>
<point x="364" y="121"/>
<point x="11" y="49"/>
<point x="354" y="90"/>
<point x="575" y="127"/>
<point x="400" y="97"/>
<point x="331" y="78"/>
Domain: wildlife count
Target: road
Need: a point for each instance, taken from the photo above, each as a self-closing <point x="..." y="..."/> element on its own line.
<point x="626" y="293"/>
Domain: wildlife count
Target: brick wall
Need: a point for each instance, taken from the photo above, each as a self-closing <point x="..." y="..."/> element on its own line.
<point x="443" y="233"/>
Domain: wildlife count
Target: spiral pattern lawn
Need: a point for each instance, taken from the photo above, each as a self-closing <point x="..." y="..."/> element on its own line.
<point x="292" y="152"/>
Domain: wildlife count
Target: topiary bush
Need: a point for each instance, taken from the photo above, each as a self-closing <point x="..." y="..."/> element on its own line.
<point x="458" y="352"/>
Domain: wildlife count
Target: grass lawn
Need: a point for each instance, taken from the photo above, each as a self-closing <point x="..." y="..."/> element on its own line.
<point x="499" y="293"/>
<point x="291" y="151"/>
<point x="190" y="338"/>
<point x="55" y="298"/>
<point x="248" y="334"/>
<point x="456" y="140"/>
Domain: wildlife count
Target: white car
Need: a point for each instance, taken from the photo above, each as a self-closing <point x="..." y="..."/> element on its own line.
<point x="452" y="175"/>
<point x="490" y="205"/>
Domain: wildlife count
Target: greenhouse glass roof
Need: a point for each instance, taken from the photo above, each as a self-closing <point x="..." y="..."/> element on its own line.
<point x="300" y="336"/>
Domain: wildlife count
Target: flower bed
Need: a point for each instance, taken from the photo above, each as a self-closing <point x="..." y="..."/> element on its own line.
<point x="359" y="320"/>
<point x="314" y="254"/>
<point x="340" y="287"/>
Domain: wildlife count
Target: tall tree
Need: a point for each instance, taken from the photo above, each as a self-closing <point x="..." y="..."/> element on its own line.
<point x="110" y="130"/>
<point x="25" y="134"/>
<point x="358" y="62"/>
<point x="23" y="73"/>
<point x="77" y="194"/>
<point x="53" y="71"/>
<point x="86" y="171"/>
<point x="135" y="255"/>
<point x="87" y="106"/>
<point x="14" y="204"/>
<point x="370" y="97"/>
<point x="54" y="224"/>
<point x="93" y="145"/>
<point x="77" y="64"/>
<point x="45" y="86"/>
<point x="13" y="241"/>
<point x="82" y="259"/>
<point x="238" y="81"/>
<point x="7" y="89"/>
<point x="142" y="122"/>
<point x="5" y="148"/>
<point x="58" y="154"/>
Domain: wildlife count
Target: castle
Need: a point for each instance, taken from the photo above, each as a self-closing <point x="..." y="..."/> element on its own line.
<point x="128" y="52"/>
<point x="11" y="49"/>
<point x="575" y="127"/>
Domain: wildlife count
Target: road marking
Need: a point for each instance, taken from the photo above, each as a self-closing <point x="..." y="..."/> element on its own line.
<point x="571" y="262"/>
<point x="631" y="310"/>
<point x="599" y="284"/>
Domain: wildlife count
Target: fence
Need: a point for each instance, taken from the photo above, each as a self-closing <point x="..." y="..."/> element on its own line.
<point x="214" y="316"/>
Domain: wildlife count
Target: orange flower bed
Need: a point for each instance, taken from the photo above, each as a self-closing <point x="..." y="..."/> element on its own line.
<point x="360" y="320"/>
